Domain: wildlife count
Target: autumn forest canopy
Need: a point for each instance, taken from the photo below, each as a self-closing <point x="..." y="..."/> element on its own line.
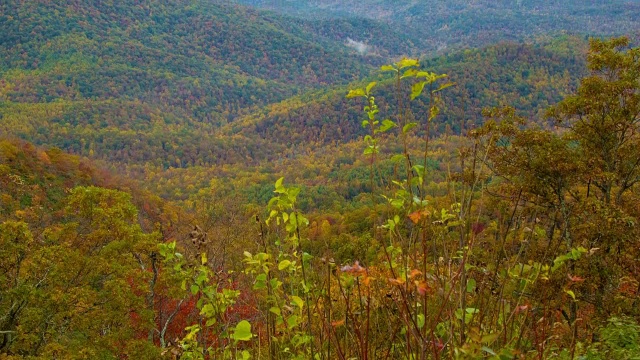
<point x="321" y="179"/>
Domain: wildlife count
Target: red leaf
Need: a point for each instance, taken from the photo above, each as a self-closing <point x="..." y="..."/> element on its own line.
<point x="575" y="278"/>
<point x="422" y="288"/>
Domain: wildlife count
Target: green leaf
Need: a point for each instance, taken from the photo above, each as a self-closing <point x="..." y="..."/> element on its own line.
<point x="387" y="68"/>
<point x="409" y="73"/>
<point x="447" y="85"/>
<point x="275" y="283"/>
<point x="404" y="63"/>
<point x="408" y="127"/>
<point x="397" y="203"/>
<point x="261" y="282"/>
<point x="275" y="310"/>
<point x="571" y="293"/>
<point x="390" y="225"/>
<point x="194" y="289"/>
<point x="370" y="86"/>
<point x="259" y="285"/>
<point x="297" y="301"/>
<point x="467" y="314"/>
<point x="574" y="254"/>
<point x="489" y="338"/>
<point x="302" y="221"/>
<point x="356" y="93"/>
<point x="292" y="321"/>
<point x="163" y="249"/>
<point x="489" y="351"/>
<point x="242" y="332"/>
<point x="471" y="285"/>
<point x="417" y="88"/>
<point x="386" y="125"/>
<point x="430" y="77"/>
<point x="293" y="193"/>
<point x="202" y="278"/>
<point x="292" y="225"/>
<point x="207" y="310"/>
<point x="419" y="169"/>
<point x="279" y="187"/>
<point x="284" y="264"/>
<point x="433" y="112"/>
<point x="192" y="332"/>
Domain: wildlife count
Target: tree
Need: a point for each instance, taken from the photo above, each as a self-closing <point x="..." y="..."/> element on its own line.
<point x="603" y="116"/>
<point x="574" y="188"/>
<point x="79" y="289"/>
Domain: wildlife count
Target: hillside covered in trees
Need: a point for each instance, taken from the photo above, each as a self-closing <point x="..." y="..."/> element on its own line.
<point x="457" y="24"/>
<point x="206" y="180"/>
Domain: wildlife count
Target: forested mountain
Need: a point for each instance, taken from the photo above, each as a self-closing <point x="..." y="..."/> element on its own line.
<point x="111" y="80"/>
<point x="322" y="179"/>
<point x="134" y="131"/>
<point x="441" y="25"/>
<point x="529" y="77"/>
<point x="206" y="59"/>
<point x="144" y="94"/>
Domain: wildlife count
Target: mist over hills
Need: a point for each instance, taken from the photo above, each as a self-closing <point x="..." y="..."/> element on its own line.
<point x="439" y="25"/>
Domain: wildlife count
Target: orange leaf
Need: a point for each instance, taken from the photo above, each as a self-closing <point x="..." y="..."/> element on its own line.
<point x="337" y="323"/>
<point x="415" y="217"/>
<point x="418" y="215"/>
<point x="414" y="273"/>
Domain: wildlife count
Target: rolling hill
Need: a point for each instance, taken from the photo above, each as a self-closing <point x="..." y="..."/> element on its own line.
<point x="444" y="25"/>
<point x="172" y="88"/>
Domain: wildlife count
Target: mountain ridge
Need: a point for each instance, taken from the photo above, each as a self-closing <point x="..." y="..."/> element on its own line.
<point x="446" y="25"/>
